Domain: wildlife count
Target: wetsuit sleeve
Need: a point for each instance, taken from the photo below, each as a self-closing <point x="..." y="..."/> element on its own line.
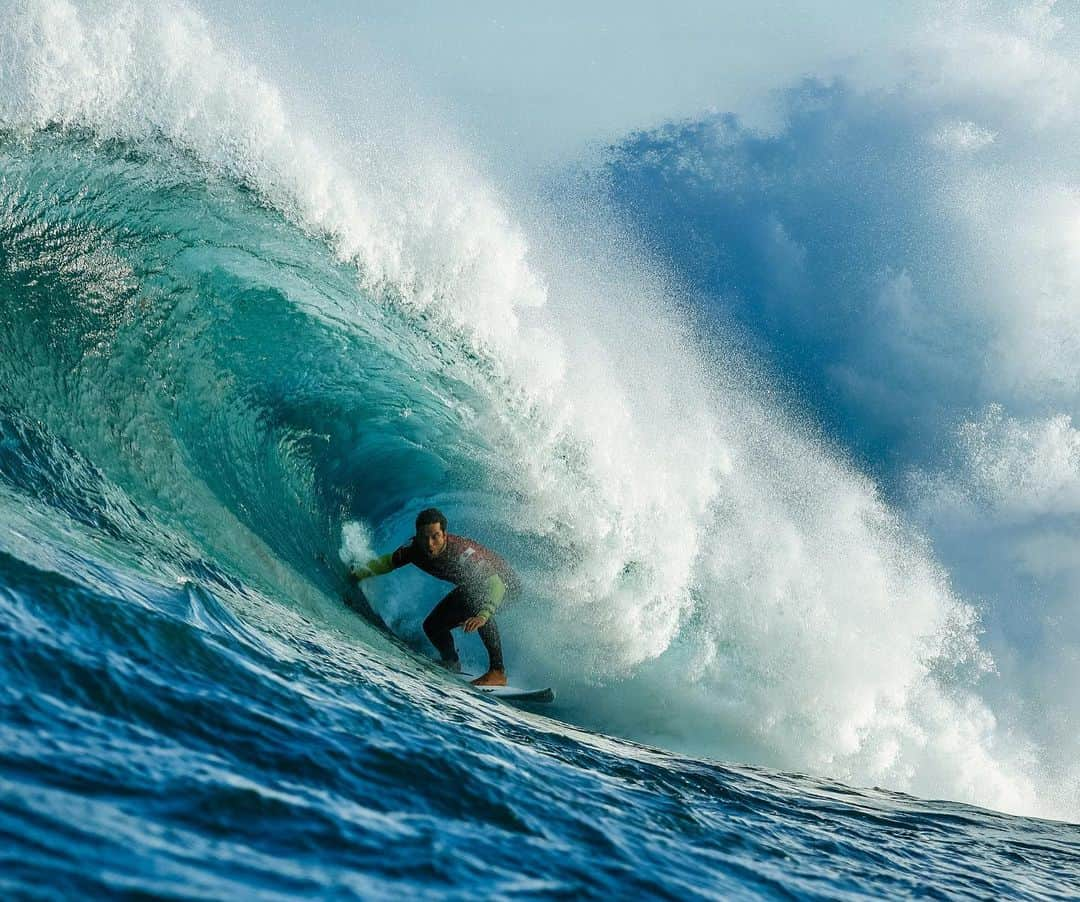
<point x="375" y="567"/>
<point x="401" y="557"/>
<point x="494" y="591"/>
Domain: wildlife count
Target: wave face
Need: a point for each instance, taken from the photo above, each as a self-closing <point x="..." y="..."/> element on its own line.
<point x="220" y="343"/>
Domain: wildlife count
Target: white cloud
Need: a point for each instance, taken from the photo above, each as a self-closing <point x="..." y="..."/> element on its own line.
<point x="962" y="135"/>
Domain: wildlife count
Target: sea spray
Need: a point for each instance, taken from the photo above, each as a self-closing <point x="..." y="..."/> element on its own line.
<point x="356" y="548"/>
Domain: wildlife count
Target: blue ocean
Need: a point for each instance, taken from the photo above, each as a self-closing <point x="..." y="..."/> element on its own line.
<point x="776" y="425"/>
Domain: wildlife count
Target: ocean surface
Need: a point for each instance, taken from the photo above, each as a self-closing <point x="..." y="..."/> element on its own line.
<point x="777" y="428"/>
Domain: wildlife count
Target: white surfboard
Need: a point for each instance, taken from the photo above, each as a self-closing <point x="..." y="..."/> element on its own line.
<point x="512" y="693"/>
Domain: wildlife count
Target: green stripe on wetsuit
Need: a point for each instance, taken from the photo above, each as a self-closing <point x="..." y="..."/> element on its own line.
<point x="376" y="567"/>
<point x="495" y="589"/>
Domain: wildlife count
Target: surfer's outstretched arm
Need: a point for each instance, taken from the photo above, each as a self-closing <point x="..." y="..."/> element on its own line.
<point x="375" y="567"/>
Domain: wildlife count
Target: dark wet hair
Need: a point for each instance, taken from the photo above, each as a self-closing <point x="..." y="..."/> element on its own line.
<point x="429" y="516"/>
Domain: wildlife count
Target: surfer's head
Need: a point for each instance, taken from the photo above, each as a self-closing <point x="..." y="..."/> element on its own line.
<point x="431" y="531"/>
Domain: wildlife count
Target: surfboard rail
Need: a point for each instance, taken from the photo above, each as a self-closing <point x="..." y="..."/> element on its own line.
<point x="513" y="693"/>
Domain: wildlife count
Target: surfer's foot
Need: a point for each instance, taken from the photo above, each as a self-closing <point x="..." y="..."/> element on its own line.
<point x="453" y="666"/>
<point x="491" y="678"/>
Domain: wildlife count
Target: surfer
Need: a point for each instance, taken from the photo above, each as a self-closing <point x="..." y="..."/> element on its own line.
<point x="482" y="579"/>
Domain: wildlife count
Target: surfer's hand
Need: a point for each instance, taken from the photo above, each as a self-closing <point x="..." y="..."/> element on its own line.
<point x="360" y="573"/>
<point x="474" y="623"/>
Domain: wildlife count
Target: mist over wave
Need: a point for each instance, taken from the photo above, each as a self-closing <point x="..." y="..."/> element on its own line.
<point x="263" y="327"/>
<point x="904" y="261"/>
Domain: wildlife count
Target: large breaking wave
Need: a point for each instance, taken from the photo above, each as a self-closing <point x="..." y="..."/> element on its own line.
<point x="227" y="329"/>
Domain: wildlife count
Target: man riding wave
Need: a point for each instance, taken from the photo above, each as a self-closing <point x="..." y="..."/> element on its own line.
<point x="483" y="581"/>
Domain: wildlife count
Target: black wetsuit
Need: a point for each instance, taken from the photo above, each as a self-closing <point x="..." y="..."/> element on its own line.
<point x="469" y="565"/>
<point x="453" y="611"/>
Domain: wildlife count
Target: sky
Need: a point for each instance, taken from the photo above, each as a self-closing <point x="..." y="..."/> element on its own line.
<point x="541" y="83"/>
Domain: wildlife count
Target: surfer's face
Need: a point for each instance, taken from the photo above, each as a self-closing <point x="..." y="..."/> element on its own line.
<point x="432" y="539"/>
